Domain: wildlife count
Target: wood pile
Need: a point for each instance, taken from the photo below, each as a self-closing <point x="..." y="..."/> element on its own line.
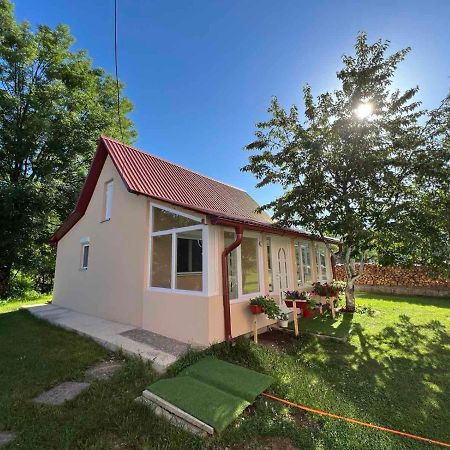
<point x="376" y="275"/>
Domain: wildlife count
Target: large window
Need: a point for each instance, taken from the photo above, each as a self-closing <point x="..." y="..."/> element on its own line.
<point x="168" y="220"/>
<point x="303" y="256"/>
<point x="250" y="265"/>
<point x="162" y="261"/>
<point x="232" y="266"/>
<point x="269" y="263"/>
<point x="243" y="266"/>
<point x="176" y="251"/>
<point x="189" y="260"/>
<point x="322" y="264"/>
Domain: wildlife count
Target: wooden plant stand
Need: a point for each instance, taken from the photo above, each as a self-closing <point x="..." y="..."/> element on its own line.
<point x="294" y="309"/>
<point x="255" y="329"/>
<point x="331" y="303"/>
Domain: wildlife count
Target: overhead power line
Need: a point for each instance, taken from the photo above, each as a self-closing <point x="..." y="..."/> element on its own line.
<point x="119" y="118"/>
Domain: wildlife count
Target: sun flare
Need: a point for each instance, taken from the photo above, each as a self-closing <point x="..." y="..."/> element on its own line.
<point x="364" y="110"/>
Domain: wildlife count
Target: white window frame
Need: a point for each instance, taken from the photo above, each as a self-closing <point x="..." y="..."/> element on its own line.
<point x="323" y="249"/>
<point x="109" y="193"/>
<point x="300" y="264"/>
<point x="173" y="231"/>
<point x="241" y="296"/>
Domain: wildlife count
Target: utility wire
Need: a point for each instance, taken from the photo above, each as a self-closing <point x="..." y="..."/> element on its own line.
<point x="117" y="70"/>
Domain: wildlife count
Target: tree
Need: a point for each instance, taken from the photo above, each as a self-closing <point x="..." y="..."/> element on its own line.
<point x="353" y="166"/>
<point x="54" y="105"/>
<point x="423" y="236"/>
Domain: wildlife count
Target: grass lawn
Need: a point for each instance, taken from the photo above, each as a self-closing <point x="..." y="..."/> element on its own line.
<point x="393" y="371"/>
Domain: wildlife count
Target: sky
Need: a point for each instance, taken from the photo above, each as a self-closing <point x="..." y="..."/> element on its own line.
<point x="201" y="73"/>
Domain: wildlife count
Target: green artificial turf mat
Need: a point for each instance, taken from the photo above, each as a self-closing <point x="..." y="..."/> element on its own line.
<point x="203" y="401"/>
<point x="236" y="380"/>
<point x="214" y="391"/>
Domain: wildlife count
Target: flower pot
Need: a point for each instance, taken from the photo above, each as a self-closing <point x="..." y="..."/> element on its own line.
<point x="307" y="312"/>
<point x="256" y="309"/>
<point x="289" y="303"/>
<point x="284" y="323"/>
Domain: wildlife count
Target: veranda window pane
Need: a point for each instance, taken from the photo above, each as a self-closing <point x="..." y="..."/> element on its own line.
<point x="232" y="266"/>
<point x="298" y="259"/>
<point x="166" y="220"/>
<point x="306" y="260"/>
<point x="269" y="264"/>
<point x="249" y="264"/>
<point x="190" y="261"/>
<point x="321" y="265"/>
<point x="162" y="261"/>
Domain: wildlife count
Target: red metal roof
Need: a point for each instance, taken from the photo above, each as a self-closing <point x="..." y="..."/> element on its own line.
<point x="154" y="177"/>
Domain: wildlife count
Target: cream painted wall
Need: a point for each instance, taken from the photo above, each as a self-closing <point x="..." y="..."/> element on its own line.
<point x="112" y="285"/>
<point x="179" y="316"/>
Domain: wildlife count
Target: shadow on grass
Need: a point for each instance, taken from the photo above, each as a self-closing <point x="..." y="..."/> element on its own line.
<point x="398" y="377"/>
<point x="325" y="325"/>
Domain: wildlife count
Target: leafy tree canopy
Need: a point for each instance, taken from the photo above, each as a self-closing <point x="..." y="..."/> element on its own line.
<point x="54" y="105"/>
<point x="354" y="165"/>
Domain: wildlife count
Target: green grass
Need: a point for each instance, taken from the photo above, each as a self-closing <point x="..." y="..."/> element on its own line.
<point x="373" y="313"/>
<point x="35" y="356"/>
<point x="14" y="304"/>
<point x="393" y="371"/>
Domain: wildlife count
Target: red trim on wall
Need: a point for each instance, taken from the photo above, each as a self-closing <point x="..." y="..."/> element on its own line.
<point x="225" y="286"/>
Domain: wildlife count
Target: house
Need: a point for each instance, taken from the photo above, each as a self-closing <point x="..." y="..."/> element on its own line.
<point x="157" y="246"/>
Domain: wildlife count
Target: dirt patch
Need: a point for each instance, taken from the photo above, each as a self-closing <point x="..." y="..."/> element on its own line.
<point x="303" y="420"/>
<point x="250" y="411"/>
<point x="103" y="370"/>
<point x="276" y="339"/>
<point x="265" y="443"/>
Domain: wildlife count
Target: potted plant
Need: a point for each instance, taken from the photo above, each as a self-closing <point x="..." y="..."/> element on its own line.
<point x="337" y="288"/>
<point x="283" y="320"/>
<point x="266" y="305"/>
<point x="295" y="295"/>
<point x="329" y="291"/>
<point x="256" y="305"/>
<point x="270" y="308"/>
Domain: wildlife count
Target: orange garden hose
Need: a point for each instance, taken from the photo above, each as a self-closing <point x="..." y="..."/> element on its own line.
<point x="347" y="419"/>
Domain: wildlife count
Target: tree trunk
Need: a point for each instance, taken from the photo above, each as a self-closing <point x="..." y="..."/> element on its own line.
<point x="350" y="302"/>
<point x="351" y="277"/>
<point x="5" y="278"/>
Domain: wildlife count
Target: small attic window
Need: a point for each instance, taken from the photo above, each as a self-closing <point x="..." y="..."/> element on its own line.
<point x="109" y="188"/>
<point x="84" y="256"/>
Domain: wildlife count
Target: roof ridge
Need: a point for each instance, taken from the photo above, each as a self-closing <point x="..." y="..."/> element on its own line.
<point x="172" y="163"/>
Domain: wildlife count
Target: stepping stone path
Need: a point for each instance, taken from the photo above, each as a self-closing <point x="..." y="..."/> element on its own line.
<point x="71" y="389"/>
<point x="6" y="437"/>
<point x="103" y="370"/>
<point x="61" y="393"/>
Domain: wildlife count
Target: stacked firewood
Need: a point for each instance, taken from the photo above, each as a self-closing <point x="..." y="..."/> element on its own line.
<point x="395" y="276"/>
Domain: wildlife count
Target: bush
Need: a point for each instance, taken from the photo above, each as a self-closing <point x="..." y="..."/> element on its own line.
<point x="20" y="285"/>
